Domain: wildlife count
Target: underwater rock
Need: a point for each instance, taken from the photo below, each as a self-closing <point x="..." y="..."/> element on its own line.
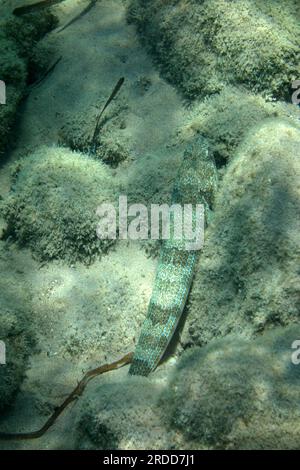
<point x="225" y="119"/>
<point x="12" y="372"/>
<point x="15" y="331"/>
<point x="29" y="29"/>
<point x="238" y="394"/>
<point x="201" y="46"/>
<point x="13" y="67"/>
<point x="52" y="206"/>
<point x="21" y="61"/>
<point x="123" y="414"/>
<point x="8" y="114"/>
<point x="231" y="394"/>
<point x="112" y="152"/>
<point x="111" y="146"/>
<point x="247" y="279"/>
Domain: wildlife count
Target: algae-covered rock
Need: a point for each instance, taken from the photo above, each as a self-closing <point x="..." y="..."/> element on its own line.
<point x="15" y="339"/>
<point x="8" y="113"/>
<point x="15" y="331"/>
<point x="238" y="394"/>
<point x="53" y="202"/>
<point x="124" y="413"/>
<point x="247" y="278"/>
<point x="110" y="145"/>
<point x="230" y="394"/>
<point x="225" y="119"/>
<point x="203" y="45"/>
<point x="13" y="67"/>
<point x="21" y="60"/>
<point x="27" y="30"/>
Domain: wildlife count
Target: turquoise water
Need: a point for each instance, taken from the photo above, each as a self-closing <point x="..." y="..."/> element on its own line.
<point x="105" y="99"/>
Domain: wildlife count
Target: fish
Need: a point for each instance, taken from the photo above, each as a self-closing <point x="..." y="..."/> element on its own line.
<point x="112" y="96"/>
<point x="196" y="183"/>
<point x="77" y="17"/>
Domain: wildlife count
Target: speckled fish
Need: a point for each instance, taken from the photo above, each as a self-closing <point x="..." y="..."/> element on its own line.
<point x="111" y="97"/>
<point x="195" y="184"/>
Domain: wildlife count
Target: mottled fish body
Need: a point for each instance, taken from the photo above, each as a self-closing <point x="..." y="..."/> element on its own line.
<point x="195" y="184"/>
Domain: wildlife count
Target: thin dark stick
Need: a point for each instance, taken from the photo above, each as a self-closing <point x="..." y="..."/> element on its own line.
<point x="80" y="15"/>
<point x="78" y="390"/>
<point x="46" y="73"/>
<point x="113" y="94"/>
